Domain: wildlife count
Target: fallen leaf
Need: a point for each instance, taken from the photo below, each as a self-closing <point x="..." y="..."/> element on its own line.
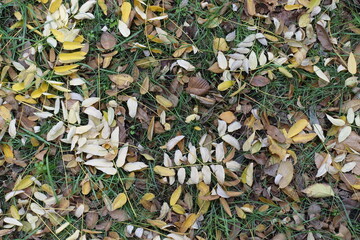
<point x="259" y="81"/>
<point x="319" y="190"/>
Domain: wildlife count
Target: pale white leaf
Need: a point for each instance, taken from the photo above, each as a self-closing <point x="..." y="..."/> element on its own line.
<point x="91" y="111"/>
<point x="122" y="155"/>
<point x="336" y="122"/>
<point x="321" y="74"/>
<point x="94" y="150"/>
<point x="186" y="65"/>
<point x="90" y="101"/>
<point x="231" y="36"/>
<point x="55" y="131"/>
<point x="87" y="6"/>
<point x="319" y="131"/>
<point x="350" y="115"/>
<point x="181" y="174"/>
<point x="99" y="162"/>
<point x="222" y="62"/>
<point x="219" y="152"/>
<point x="205" y="154"/>
<point x="74" y="236"/>
<point x="52" y="42"/>
<point x="134" y="166"/>
<point x="234" y="126"/>
<point x="37" y="209"/>
<point x="172" y="142"/>
<point x="43" y="115"/>
<point x="206" y="172"/>
<point x="132" y="106"/>
<point x="219" y="172"/>
<point x="253" y="61"/>
<point x="12" y="128"/>
<point x="123" y="28"/>
<point x="13" y="221"/>
<point x="344" y="133"/>
<point x="221" y="192"/>
<point x="231" y="140"/>
<point x="348" y="167"/>
<point x="221" y="127"/>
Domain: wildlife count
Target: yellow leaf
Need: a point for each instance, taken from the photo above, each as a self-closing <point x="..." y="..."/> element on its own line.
<point x="304" y="138"/>
<point x="297" y="127"/>
<point x="271" y="37"/>
<point x="219" y="44"/>
<point x="71" y="57"/>
<point x="7" y="151"/>
<point x="21" y="98"/>
<point x="38" y="92"/>
<point x="119" y="201"/>
<point x="285" y="72"/>
<point x="292" y="7"/>
<point x="18" y="87"/>
<point x="163" y="101"/>
<point x="125" y="12"/>
<point x="190" y="220"/>
<point x="14" y="212"/>
<point x="312" y="4"/>
<point x="154" y="39"/>
<point x="178" y="209"/>
<point x="352" y="65"/>
<point x="157" y="223"/>
<point x="23" y="183"/>
<point x="72" y="45"/>
<point x="225" y="85"/>
<point x="319" y="190"/>
<point x="54" y="5"/>
<point x="103" y="6"/>
<point x="164" y="171"/>
<point x="145" y="86"/>
<point x="156" y="9"/>
<point x="148" y="197"/>
<point x="65" y="67"/>
<point x="86" y="188"/>
<point x="240" y="213"/>
<point x="247" y="175"/>
<point x="5" y="113"/>
<point x="60" y="36"/>
<point x="175" y="196"/>
<point x="304" y="20"/>
<point x="60" y="88"/>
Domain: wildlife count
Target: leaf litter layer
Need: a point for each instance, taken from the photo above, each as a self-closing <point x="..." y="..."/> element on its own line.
<point x="179" y="119"/>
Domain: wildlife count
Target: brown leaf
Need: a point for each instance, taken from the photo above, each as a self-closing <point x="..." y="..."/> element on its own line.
<point x="323" y="37"/>
<point x="121" y="80"/>
<point x="91" y="219"/>
<point x="108" y="41"/>
<point x="198" y="86"/>
<point x="275" y="133"/>
<point x="119" y="215"/>
<point x="259" y="81"/>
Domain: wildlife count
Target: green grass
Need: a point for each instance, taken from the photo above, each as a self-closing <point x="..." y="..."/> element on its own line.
<point x="272" y="99"/>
